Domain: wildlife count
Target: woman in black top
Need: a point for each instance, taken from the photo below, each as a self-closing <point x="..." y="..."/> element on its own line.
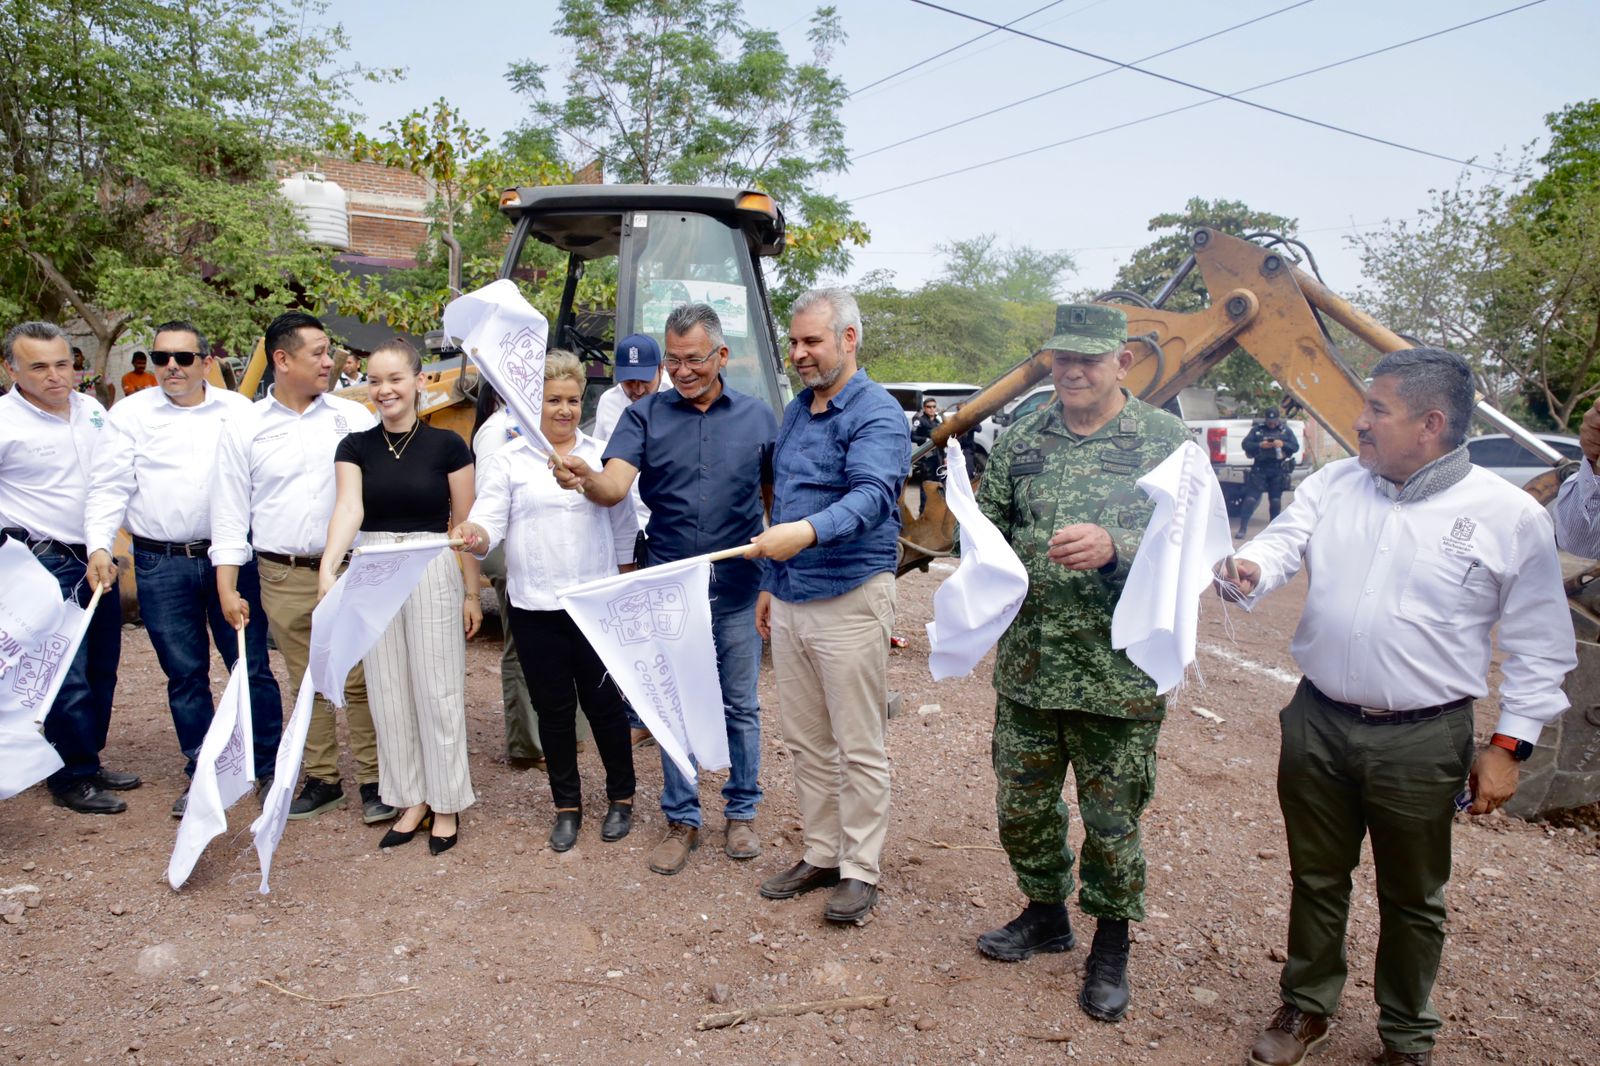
<point x="403" y="479"/>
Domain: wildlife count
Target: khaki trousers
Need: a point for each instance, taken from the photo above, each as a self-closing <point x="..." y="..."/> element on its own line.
<point x="831" y="660"/>
<point x="417" y="681"/>
<point x="288" y="595"/>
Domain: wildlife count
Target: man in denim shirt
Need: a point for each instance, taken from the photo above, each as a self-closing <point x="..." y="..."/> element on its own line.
<point x="827" y="600"/>
<point x="702" y="455"/>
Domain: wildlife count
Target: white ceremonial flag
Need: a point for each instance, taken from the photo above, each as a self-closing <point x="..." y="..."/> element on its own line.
<point x="505" y="337"/>
<point x="268" y="826"/>
<point x="360" y="606"/>
<point x="652" y="629"/>
<point x="30" y="601"/>
<point x="26" y="757"/>
<point x="40" y="640"/>
<point x="973" y="606"/>
<point x="1158" y="612"/>
<point x="224" y="770"/>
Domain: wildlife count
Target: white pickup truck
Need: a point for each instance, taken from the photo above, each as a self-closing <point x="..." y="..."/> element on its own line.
<point x="1221" y="438"/>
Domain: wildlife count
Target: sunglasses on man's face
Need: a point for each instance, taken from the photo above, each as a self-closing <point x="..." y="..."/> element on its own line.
<point x="183" y="358"/>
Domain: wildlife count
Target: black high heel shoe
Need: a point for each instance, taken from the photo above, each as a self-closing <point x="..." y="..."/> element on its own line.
<point x="394" y="837"/>
<point x="440" y="845"/>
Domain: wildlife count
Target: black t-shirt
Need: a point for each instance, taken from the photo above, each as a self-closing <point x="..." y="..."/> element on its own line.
<point x="410" y="494"/>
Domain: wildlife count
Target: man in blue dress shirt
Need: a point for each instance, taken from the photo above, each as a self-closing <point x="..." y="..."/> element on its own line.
<point x="702" y="453"/>
<point x="827" y="600"/>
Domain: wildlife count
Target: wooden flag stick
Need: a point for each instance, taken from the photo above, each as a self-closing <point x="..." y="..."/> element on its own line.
<point x="726" y="553"/>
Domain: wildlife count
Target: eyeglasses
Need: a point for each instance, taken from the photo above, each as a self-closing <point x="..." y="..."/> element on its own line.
<point x="183" y="358"/>
<point x="693" y="363"/>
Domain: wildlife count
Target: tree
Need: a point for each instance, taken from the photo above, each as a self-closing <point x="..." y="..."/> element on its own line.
<point x="1021" y="273"/>
<point x="136" y="150"/>
<point x="1507" y="273"/>
<point x="946" y="332"/>
<point x="467" y="177"/>
<point x="1153" y="265"/>
<point x="686" y="92"/>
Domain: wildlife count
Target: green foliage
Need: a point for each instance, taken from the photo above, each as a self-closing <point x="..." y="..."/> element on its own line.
<point x="687" y="92"/>
<point x="468" y="176"/>
<point x="1023" y="274"/>
<point x="1508" y="274"/>
<point x="946" y="332"/>
<point x="136" y="149"/>
<point x="1153" y="265"/>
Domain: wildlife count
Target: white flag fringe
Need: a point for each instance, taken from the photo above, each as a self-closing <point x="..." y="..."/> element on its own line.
<point x="973" y="606"/>
<point x="506" y="339"/>
<point x="652" y="629"/>
<point x="268" y="826"/>
<point x="1158" y="613"/>
<point x="26" y="758"/>
<point x="360" y="606"/>
<point x="224" y="770"/>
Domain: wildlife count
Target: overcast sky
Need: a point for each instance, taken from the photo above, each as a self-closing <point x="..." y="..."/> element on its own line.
<point x="1469" y="94"/>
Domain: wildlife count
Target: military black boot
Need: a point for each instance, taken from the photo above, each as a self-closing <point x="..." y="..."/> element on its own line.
<point x="1105" y="973"/>
<point x="1040" y="927"/>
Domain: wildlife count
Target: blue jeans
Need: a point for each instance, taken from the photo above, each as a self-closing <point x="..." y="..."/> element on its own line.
<point x="738" y="665"/>
<point x="81" y="715"/>
<point x="178" y="602"/>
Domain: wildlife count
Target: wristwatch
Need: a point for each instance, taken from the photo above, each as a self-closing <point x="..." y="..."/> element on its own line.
<point x="1519" y="749"/>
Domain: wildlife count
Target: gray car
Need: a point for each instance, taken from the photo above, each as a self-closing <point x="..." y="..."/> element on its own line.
<point x="1499" y="454"/>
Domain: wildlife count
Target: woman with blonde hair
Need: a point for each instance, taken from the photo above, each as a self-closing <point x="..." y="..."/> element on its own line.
<point x="555" y="539"/>
<point x="405" y="480"/>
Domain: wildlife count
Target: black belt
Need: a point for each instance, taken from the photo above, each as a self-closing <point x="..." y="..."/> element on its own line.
<point x="310" y="562"/>
<point x="1379" y="716"/>
<point x="195" y="549"/>
<point x="44" y="544"/>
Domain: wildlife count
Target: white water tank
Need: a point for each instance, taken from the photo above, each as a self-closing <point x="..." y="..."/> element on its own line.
<point x="321" y="205"/>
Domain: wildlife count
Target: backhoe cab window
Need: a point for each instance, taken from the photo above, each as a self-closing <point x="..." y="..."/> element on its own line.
<point x="684" y="258"/>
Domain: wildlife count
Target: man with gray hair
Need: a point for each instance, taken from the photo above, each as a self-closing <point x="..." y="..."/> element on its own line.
<point x="48" y="438"/>
<point x="702" y="454"/>
<point x="1413" y="556"/>
<point x="827" y="601"/>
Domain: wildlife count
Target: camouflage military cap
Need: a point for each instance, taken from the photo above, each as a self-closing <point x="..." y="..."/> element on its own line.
<point x="1093" y="329"/>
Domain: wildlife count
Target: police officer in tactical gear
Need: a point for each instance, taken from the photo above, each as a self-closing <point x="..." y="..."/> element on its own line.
<point x="1062" y="488"/>
<point x="1270" y="445"/>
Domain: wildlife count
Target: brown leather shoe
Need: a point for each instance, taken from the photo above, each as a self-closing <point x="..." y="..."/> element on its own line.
<point x="800" y="878"/>
<point x="851" y="902"/>
<point x="1391" y="1057"/>
<point x="1292" y="1036"/>
<point x="742" y="842"/>
<point x="672" y="854"/>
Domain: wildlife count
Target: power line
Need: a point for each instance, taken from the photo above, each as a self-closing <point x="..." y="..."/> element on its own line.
<point x="1214" y="97"/>
<point x="974" y="53"/>
<point x="1217" y="94"/>
<point x="955" y="47"/>
<point x="1080" y="81"/>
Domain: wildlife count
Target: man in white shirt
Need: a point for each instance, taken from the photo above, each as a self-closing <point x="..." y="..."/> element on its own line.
<point x="49" y="435"/>
<point x="1413" y="556"/>
<point x="272" y="494"/>
<point x="153" y="473"/>
<point x="1578" y="503"/>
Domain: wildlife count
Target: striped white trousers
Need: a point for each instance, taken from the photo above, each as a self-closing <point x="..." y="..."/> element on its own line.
<point x="416" y="683"/>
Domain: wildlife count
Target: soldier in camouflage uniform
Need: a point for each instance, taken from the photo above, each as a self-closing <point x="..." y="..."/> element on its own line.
<point x="1061" y="486"/>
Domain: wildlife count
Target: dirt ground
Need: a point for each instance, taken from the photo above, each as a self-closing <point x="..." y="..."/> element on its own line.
<point x="501" y="950"/>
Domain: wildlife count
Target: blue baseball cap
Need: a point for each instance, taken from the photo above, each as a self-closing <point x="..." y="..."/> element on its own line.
<point x="638" y="358"/>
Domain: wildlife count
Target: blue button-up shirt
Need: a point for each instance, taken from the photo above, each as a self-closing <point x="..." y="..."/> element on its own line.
<point x="700" y="473"/>
<point x="840" y="470"/>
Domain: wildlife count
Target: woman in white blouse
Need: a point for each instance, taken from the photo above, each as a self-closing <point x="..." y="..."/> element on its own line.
<point x="555" y="539"/>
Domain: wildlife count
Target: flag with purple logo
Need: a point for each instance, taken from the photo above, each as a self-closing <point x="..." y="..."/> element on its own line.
<point x="224" y="770"/>
<point x="505" y="337"/>
<point x="652" y="630"/>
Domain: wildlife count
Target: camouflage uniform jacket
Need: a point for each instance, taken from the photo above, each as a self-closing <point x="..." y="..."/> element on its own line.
<point x="1057" y="652"/>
